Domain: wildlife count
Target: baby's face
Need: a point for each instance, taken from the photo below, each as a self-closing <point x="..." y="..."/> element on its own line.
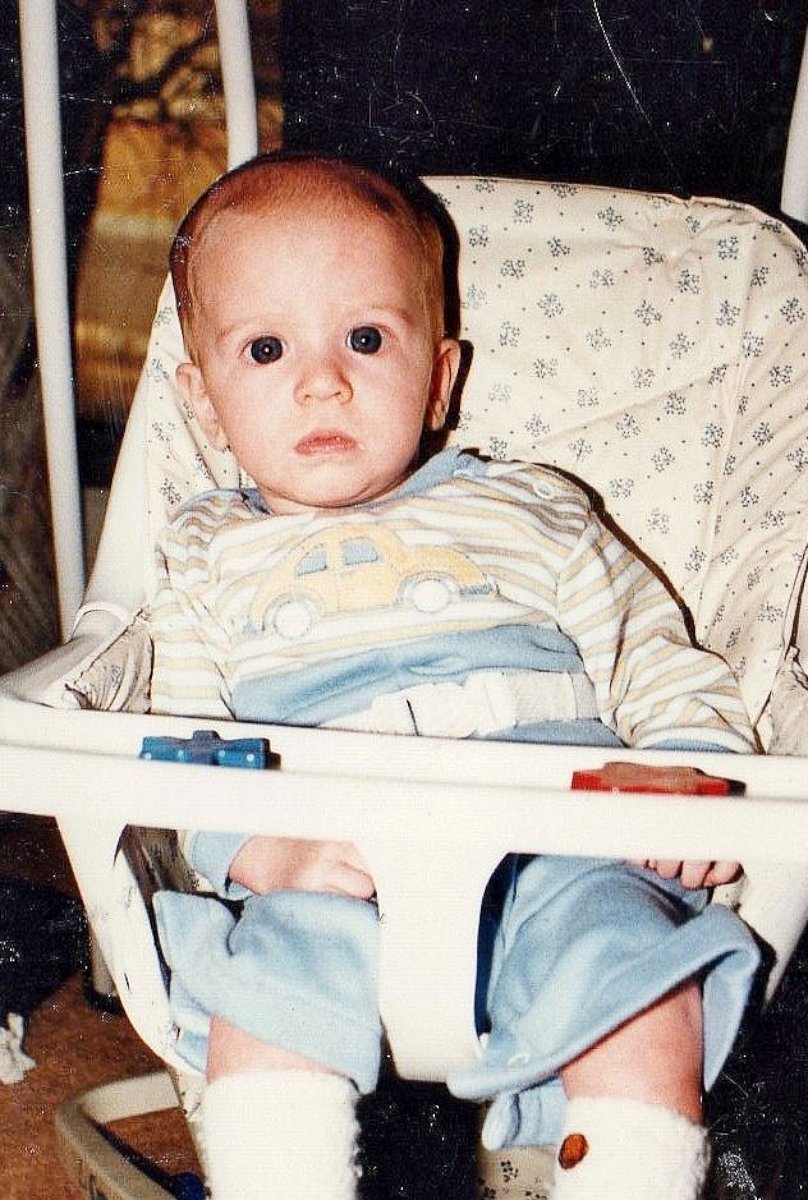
<point x="317" y="363"/>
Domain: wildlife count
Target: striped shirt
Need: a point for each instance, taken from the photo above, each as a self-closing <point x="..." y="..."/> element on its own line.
<point x="470" y="566"/>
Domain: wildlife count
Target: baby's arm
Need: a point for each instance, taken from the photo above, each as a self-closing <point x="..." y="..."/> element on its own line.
<point x="268" y="864"/>
<point x="655" y="689"/>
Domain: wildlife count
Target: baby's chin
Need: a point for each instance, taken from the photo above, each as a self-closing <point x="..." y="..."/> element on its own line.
<point x="339" y="497"/>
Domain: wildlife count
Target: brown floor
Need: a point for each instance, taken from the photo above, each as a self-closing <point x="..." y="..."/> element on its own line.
<point x="75" y="1047"/>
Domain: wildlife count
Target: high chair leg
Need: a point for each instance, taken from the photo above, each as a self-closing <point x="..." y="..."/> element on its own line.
<point x="99" y="985"/>
<point x="190" y="1090"/>
<point x="93" y="1162"/>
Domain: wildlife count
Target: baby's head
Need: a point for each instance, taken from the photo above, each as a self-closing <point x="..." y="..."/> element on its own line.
<point x="311" y="297"/>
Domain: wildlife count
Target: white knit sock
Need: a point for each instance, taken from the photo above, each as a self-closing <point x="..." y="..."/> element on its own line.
<point x="281" y="1135"/>
<point x="614" y="1149"/>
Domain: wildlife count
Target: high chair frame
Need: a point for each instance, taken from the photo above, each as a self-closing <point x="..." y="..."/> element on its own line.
<point x="426" y="833"/>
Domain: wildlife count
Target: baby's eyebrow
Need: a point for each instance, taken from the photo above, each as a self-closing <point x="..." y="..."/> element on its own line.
<point x="248" y="325"/>
<point x="264" y="324"/>
<point x="380" y="312"/>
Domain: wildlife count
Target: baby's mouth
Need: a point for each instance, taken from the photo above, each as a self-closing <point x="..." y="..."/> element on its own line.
<point x="326" y="441"/>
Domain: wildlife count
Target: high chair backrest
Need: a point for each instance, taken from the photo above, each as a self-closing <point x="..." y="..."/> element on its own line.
<point x="655" y="348"/>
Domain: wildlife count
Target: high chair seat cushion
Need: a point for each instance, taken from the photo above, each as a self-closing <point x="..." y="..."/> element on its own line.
<point x="655" y="348"/>
<point x="788" y="708"/>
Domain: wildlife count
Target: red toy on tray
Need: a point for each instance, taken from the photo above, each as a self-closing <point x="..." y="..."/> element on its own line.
<point x="635" y="777"/>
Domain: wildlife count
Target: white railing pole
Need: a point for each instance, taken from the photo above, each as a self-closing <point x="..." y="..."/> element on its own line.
<point x="40" y="75"/>
<point x="238" y="80"/>
<point x="794" y="195"/>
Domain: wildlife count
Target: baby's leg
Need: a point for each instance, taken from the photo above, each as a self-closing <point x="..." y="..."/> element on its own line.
<point x="276" y="1123"/>
<point x="623" y="1065"/>
<point x="297" y="970"/>
<point x="612" y="998"/>
<point x="633" y="1119"/>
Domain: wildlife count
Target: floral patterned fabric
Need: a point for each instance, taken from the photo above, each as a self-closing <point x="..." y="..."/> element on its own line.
<point x="657" y="349"/>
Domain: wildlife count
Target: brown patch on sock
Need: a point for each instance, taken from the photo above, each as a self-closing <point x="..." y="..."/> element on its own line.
<point x="572" y="1150"/>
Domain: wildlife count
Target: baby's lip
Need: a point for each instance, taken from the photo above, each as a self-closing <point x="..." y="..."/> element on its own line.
<point x="326" y="441"/>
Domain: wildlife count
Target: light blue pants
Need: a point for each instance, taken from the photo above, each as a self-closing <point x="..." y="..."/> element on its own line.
<point x="570" y="948"/>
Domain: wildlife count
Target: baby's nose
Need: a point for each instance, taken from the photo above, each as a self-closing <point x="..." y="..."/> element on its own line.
<point x="324" y="379"/>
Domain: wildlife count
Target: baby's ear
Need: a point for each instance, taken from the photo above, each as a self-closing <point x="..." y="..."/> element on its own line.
<point x="193" y="391"/>
<point x="444" y="376"/>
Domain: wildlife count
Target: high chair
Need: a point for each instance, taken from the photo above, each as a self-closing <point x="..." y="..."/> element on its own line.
<point x="654" y="348"/>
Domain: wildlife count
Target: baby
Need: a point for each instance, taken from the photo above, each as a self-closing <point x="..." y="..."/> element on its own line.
<point x="363" y="585"/>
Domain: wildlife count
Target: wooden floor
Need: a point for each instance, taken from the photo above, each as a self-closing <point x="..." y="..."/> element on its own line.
<point x="75" y="1047"/>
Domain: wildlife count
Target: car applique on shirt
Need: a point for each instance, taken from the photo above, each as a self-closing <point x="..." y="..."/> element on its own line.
<point x="339" y="571"/>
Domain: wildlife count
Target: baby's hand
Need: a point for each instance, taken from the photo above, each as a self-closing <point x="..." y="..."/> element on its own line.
<point x="639" y="777"/>
<point x="686" y="780"/>
<point x="692" y="874"/>
<point x="268" y="864"/>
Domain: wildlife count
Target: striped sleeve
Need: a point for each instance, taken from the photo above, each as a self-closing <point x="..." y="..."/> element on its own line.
<point x="653" y="686"/>
<point x="187" y="677"/>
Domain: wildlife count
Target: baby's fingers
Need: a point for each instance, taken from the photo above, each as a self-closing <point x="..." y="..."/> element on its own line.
<point x="690" y="874"/>
<point x="666" y="868"/>
<point x="347" y="872"/>
<point x="721" y="873"/>
<point x="707" y="874"/>
<point x="346" y="880"/>
<point x="694" y="874"/>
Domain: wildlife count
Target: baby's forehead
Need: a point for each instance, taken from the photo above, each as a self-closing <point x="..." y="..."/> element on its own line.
<point x="309" y="221"/>
<point x="313" y="217"/>
<point x="301" y="218"/>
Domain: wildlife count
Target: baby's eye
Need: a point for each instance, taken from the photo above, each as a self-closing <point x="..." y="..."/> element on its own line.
<point x="266" y="350"/>
<point x="365" y="339"/>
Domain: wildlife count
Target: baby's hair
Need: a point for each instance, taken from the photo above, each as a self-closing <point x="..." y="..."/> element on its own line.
<point x="274" y="180"/>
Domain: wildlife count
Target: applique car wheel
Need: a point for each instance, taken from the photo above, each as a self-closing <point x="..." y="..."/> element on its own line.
<point x="293" y="618"/>
<point x="430" y="594"/>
